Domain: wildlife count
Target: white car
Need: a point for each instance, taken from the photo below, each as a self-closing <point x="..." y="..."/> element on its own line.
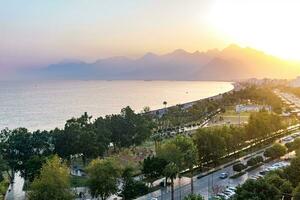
<point x="231" y="188"/>
<point x="287" y="139"/>
<point x="229" y="193"/>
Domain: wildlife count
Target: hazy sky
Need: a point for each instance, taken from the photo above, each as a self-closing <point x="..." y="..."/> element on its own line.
<point x="38" y="32"/>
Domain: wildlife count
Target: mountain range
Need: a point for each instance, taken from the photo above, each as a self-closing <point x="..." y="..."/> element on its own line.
<point x="231" y="63"/>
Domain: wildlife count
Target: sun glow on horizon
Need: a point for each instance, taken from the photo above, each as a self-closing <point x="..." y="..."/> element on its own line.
<point x="271" y="26"/>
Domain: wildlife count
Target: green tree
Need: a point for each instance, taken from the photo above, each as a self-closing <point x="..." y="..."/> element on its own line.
<point x="287" y="189"/>
<point x="171" y="172"/>
<point x="190" y="157"/>
<point x="77" y="133"/>
<point x="193" y="197"/>
<point x="257" y="190"/>
<point x="52" y="183"/>
<point x="132" y="188"/>
<point x="152" y="167"/>
<point x="129" y="128"/>
<point x="296" y="193"/>
<point x="292" y="172"/>
<point x="238" y="167"/>
<point x="210" y="146"/>
<point x="276" y="151"/>
<point x="103" y="177"/>
<point x="33" y="166"/>
<point x="170" y="152"/>
<point x="295" y="145"/>
<point x="262" y="124"/>
<point x="19" y="147"/>
<point x="181" y="151"/>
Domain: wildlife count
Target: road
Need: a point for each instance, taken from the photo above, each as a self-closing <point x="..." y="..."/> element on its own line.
<point x="205" y="184"/>
<point x="15" y="191"/>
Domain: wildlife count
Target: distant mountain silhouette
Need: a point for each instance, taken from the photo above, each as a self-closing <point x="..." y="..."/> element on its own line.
<point x="231" y="63"/>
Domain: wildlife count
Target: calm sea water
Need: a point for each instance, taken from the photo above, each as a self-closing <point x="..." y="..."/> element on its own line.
<point x="48" y="104"/>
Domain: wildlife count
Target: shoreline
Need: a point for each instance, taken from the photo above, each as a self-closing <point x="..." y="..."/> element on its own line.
<point x="159" y="112"/>
<point x="216" y="91"/>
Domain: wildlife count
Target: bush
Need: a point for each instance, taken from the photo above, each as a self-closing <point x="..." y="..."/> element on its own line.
<point x="254" y="167"/>
<point x="251" y="162"/>
<point x="238" y="167"/>
<point x="295" y="145"/>
<point x="289" y="146"/>
<point x="193" y="197"/>
<point x="237" y="175"/>
<point x="259" y="159"/>
<point x="255" y="160"/>
<point x="276" y="151"/>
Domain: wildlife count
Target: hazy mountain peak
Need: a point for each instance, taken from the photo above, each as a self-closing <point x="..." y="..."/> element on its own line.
<point x="232" y="48"/>
<point x="149" y="55"/>
<point x="180" y="52"/>
<point x="70" y="60"/>
<point x="230" y="63"/>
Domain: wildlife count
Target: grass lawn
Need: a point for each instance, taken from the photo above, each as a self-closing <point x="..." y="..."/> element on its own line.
<point x="230" y="117"/>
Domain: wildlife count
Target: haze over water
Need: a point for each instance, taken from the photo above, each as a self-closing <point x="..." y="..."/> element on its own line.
<point x="48" y="104"/>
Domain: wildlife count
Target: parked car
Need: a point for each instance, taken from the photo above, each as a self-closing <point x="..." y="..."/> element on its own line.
<point x="231" y="188"/>
<point x="287" y="139"/>
<point x="223" y="175"/>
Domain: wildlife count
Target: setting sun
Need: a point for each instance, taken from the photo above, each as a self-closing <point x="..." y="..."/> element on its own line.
<point x="268" y="25"/>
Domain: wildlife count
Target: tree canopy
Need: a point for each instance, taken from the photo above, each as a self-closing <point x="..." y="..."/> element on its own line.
<point x="103" y="177"/>
<point x="52" y="183"/>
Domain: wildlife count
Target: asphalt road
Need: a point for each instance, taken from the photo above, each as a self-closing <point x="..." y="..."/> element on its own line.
<point x="209" y="184"/>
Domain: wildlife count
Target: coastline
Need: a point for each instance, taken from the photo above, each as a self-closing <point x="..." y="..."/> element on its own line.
<point x="159" y="112"/>
<point x="50" y="104"/>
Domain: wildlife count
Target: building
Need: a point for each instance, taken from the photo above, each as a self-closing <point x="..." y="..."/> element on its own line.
<point x="295" y="82"/>
<point x="251" y="108"/>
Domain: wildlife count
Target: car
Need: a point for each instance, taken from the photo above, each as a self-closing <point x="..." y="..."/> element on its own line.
<point x="215" y="198"/>
<point x="263" y="172"/>
<point x="200" y="176"/>
<point x="253" y="178"/>
<point x="223" y="175"/>
<point x="287" y="139"/>
<point x="229" y="193"/>
<point x="231" y="188"/>
<point x="256" y="176"/>
<point x="223" y="196"/>
<point x="260" y="176"/>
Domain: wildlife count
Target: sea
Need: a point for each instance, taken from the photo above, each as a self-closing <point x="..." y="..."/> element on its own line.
<point x="46" y="105"/>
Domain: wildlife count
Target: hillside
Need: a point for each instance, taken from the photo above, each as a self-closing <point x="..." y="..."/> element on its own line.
<point x="231" y="63"/>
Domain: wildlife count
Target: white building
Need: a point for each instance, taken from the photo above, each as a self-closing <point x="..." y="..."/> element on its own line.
<point x="295" y="82"/>
<point x="251" y="108"/>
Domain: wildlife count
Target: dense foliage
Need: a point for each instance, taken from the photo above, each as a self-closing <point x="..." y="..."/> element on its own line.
<point x="278" y="184"/>
<point x="132" y="188"/>
<point x="104" y="177"/>
<point x="257" y="190"/>
<point x="255" y="160"/>
<point x="52" y="183"/>
<point x="178" y="115"/>
<point x="193" y="197"/>
<point x="276" y="151"/>
<point x="239" y="167"/>
<point x="26" y="151"/>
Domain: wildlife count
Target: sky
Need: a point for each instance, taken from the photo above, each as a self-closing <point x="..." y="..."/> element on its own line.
<point x="35" y="33"/>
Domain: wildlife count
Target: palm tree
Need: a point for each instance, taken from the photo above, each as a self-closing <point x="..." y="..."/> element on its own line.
<point x="165" y="104"/>
<point x="171" y="172"/>
<point x="157" y="138"/>
<point x="190" y="159"/>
